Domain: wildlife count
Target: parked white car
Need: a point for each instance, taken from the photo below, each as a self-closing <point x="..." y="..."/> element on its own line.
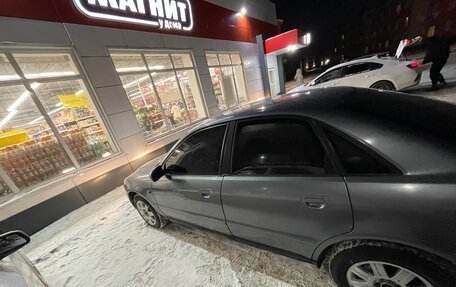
<point x="16" y="270"/>
<point x="376" y="72"/>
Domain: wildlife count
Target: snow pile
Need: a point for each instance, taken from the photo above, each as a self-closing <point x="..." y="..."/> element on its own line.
<point x="106" y="243"/>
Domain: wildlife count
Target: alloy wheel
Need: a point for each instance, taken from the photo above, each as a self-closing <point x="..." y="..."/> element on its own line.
<point x="146" y="212"/>
<point x="381" y="274"/>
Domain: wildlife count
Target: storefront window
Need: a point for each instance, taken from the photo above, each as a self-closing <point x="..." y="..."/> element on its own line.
<point x="192" y="95"/>
<point x="35" y="66"/>
<point x="227" y="74"/>
<point x="72" y="112"/>
<point x="158" y="61"/>
<point x="212" y="60"/>
<point x="29" y="150"/>
<point x="168" y="97"/>
<point x="182" y="60"/>
<point x="145" y="104"/>
<point x="129" y="63"/>
<point x="171" y="98"/>
<point x="51" y="129"/>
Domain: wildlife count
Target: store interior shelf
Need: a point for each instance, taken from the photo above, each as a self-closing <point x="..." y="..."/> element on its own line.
<point x="85" y="118"/>
<point x="89" y="125"/>
<point x="95" y="132"/>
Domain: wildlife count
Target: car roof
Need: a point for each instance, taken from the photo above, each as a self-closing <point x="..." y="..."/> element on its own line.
<point x="364" y="60"/>
<point x="414" y="132"/>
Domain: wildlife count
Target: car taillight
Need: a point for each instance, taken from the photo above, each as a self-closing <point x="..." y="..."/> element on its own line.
<point x="413" y="65"/>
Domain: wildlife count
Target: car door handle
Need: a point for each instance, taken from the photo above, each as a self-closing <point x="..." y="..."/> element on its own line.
<point x="206" y="193"/>
<point x="315" y="202"/>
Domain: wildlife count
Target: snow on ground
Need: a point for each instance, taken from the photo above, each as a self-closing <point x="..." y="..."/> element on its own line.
<point x="106" y="243"/>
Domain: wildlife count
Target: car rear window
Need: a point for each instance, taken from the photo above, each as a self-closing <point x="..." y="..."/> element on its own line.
<point x="356" y="160"/>
<point x="357" y="69"/>
<point x="375" y="66"/>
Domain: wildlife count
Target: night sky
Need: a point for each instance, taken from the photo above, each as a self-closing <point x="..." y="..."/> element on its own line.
<point x="323" y="18"/>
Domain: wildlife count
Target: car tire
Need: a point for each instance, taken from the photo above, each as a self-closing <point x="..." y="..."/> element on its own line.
<point x="384" y="86"/>
<point x="386" y="264"/>
<point x="149" y="214"/>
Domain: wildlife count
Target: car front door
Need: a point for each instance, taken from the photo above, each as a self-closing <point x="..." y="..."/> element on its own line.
<point x="283" y="190"/>
<point x="190" y="190"/>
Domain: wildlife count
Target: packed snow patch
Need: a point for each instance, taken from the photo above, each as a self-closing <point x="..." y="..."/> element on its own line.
<point x="106" y="243"/>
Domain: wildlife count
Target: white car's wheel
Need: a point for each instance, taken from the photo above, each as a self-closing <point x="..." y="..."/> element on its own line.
<point x="384" y="86"/>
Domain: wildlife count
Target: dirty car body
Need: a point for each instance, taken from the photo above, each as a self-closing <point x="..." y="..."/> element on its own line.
<point x="309" y="173"/>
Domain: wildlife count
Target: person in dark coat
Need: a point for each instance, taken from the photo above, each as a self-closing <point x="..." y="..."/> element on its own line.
<point x="438" y="52"/>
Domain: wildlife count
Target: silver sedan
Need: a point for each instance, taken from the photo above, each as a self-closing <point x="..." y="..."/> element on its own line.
<point x="360" y="181"/>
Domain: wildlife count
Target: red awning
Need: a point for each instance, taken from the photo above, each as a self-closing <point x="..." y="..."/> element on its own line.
<point x="287" y="42"/>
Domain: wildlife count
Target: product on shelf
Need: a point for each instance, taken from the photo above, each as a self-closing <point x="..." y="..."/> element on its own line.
<point x="32" y="162"/>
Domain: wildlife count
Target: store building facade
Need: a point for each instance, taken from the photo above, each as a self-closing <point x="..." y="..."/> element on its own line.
<point x="92" y="89"/>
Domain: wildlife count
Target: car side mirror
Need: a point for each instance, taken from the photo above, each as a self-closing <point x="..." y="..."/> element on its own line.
<point x="11" y="242"/>
<point x="158" y="173"/>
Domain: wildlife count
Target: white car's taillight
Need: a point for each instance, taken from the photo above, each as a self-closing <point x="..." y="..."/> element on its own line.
<point x="413" y="65"/>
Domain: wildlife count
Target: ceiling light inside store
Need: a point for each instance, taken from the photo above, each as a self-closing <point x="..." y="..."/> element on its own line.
<point x="132" y="69"/>
<point x="55" y="111"/>
<point x="135" y="82"/>
<point x="35" y="85"/>
<point x="19" y="101"/>
<point x="9" y="77"/>
<point x="8" y="118"/>
<point x="160" y="67"/>
<point x="50" y="74"/>
<point x="50" y="113"/>
<point x="36" y="120"/>
<point x="22" y="98"/>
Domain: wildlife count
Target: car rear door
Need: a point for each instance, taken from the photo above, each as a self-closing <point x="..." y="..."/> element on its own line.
<point x="190" y="191"/>
<point x="331" y="78"/>
<point x="282" y="189"/>
<point x="357" y="75"/>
